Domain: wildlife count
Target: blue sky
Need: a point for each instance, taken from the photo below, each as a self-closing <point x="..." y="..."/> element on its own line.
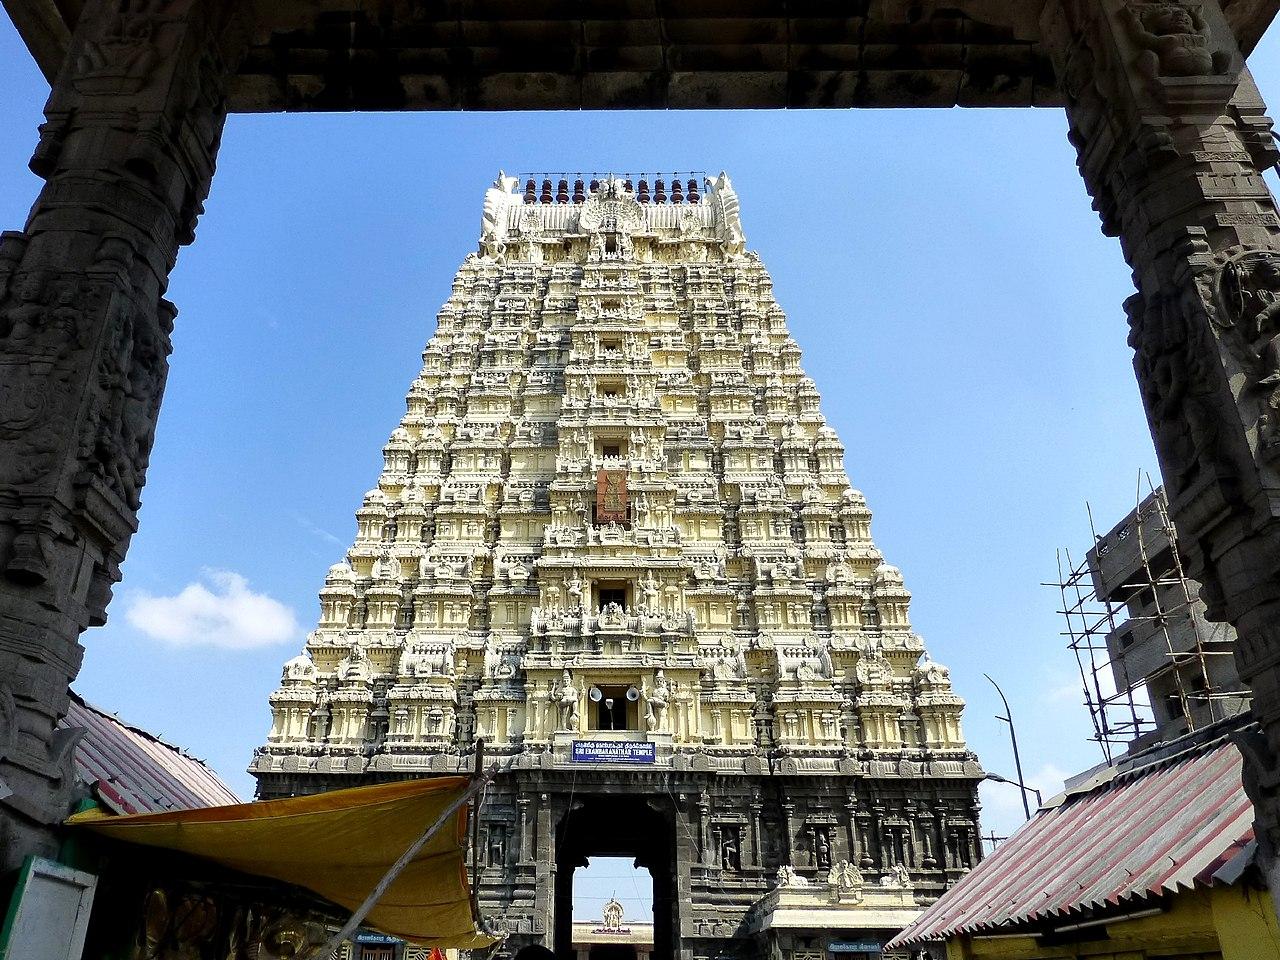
<point x="942" y="271"/>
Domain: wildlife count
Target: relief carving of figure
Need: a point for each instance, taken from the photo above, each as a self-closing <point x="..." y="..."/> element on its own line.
<point x="27" y="361"/>
<point x="656" y="701"/>
<point x="1176" y="370"/>
<point x="575" y="592"/>
<point x="730" y="855"/>
<point x="126" y="49"/>
<point x="1175" y="40"/>
<point x="844" y="875"/>
<point x="1250" y="288"/>
<point x="121" y="428"/>
<point x="492" y="657"/>
<point x="612" y="915"/>
<point x="566" y="700"/>
<point x="821" y="850"/>
<point x="787" y="877"/>
<point x="650" y="587"/>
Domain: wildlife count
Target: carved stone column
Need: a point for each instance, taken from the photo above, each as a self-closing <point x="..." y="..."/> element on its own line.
<point x="1171" y="135"/>
<point x="127" y="153"/>
<point x="704" y="830"/>
<point x="526" y="829"/>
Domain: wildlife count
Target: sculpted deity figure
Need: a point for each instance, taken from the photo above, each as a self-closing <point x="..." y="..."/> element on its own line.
<point x="844" y="875"/>
<point x="612" y="915"/>
<point x="566" y="700"/>
<point x="650" y="587"/>
<point x="355" y="666"/>
<point x="898" y="876"/>
<point x="575" y="592"/>
<point x="656" y="701"/>
<point x="1254" y="286"/>
<point x="730" y="856"/>
<point x="822" y="850"/>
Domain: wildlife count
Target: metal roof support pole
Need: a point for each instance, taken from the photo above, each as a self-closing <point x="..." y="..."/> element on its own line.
<point x="379" y="891"/>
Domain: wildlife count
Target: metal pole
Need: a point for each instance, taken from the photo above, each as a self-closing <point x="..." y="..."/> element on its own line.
<point x="1013" y="738"/>
<point x="996" y="778"/>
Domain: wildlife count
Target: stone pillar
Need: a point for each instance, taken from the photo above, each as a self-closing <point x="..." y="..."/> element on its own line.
<point x="704" y="830"/>
<point x="127" y="153"/>
<point x="851" y="828"/>
<point x="757" y="858"/>
<point x="545" y="860"/>
<point x="526" y="839"/>
<point x="1171" y="136"/>
<point x="788" y="834"/>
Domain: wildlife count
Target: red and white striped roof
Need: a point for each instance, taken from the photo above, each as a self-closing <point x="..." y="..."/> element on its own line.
<point x="132" y="771"/>
<point x="1169" y="825"/>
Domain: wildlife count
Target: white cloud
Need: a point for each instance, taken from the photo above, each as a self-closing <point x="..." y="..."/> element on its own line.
<point x="221" y="611"/>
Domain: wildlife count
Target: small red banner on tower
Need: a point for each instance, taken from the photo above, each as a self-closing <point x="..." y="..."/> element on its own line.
<point x="611" y="496"/>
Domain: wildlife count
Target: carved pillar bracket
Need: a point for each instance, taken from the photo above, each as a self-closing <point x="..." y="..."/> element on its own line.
<point x="1172" y="136"/>
<point x="127" y="152"/>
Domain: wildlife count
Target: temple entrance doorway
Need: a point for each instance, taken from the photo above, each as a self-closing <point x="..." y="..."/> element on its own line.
<point x="615" y="866"/>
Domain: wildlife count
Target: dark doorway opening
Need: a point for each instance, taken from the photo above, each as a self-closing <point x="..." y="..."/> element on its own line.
<point x="618" y="825"/>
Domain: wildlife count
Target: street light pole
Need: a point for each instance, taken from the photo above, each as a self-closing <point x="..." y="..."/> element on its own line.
<point x="996" y="778"/>
<point x="1013" y="738"/>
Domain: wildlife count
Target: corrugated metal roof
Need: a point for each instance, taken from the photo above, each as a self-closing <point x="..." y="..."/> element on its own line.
<point x="1155" y="829"/>
<point x="134" y="772"/>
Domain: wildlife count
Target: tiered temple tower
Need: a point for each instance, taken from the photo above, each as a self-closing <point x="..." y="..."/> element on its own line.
<point x="613" y="537"/>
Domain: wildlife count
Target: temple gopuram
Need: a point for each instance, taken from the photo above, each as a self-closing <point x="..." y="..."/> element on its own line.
<point x="613" y="539"/>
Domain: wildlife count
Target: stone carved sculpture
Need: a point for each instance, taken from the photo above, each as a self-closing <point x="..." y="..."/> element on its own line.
<point x="898" y="876"/>
<point x="844" y="876"/>
<point x="1175" y="360"/>
<point x="1248" y="314"/>
<point x="612" y="915"/>
<point x="493" y="224"/>
<point x="730" y="850"/>
<point x="566" y="698"/>
<point x="120" y="58"/>
<point x="1174" y="39"/>
<point x="656" y="701"/>
<point x="788" y="877"/>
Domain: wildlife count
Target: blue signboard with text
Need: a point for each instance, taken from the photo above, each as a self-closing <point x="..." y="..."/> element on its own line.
<point x="613" y="751"/>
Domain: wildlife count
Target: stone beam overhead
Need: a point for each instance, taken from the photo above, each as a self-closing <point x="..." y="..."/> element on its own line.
<point x="539" y="54"/>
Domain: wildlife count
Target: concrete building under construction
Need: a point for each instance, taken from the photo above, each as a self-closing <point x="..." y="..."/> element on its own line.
<point x="1153" y="667"/>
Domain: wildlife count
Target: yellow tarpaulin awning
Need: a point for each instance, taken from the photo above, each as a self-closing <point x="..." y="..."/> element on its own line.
<point x="338" y="845"/>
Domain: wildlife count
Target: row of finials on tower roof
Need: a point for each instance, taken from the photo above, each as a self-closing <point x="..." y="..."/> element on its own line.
<point x="678" y="194"/>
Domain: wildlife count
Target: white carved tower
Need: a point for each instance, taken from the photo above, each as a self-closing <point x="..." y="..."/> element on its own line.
<point x="613" y="537"/>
